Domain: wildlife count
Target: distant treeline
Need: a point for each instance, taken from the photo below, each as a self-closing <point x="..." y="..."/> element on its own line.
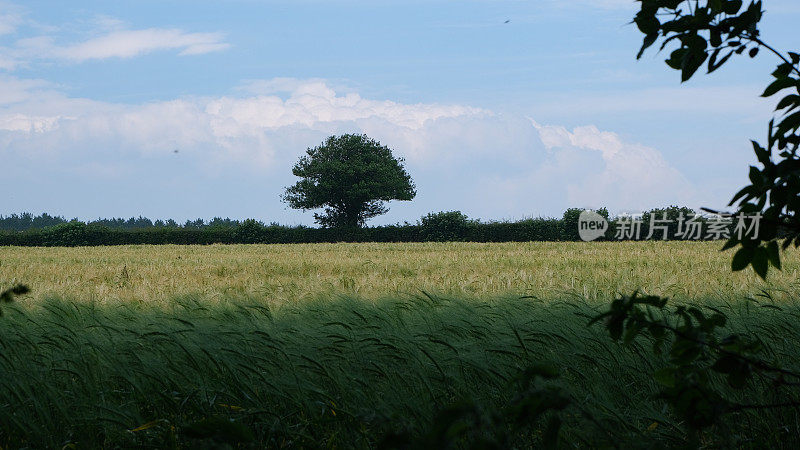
<point x="46" y="230"/>
<point x="27" y="221"/>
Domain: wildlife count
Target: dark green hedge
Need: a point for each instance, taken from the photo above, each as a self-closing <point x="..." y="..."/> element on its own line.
<point x="250" y="232"/>
<point x="442" y="226"/>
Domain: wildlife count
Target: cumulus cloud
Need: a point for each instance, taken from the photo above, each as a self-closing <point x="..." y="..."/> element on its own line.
<point x="278" y="85"/>
<point x="241" y="126"/>
<point x="487" y="164"/>
<point x="627" y="176"/>
<point x="27" y="123"/>
<point x="314" y="102"/>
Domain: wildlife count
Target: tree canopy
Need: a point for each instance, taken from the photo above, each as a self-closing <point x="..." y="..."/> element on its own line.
<point x="352" y="177"/>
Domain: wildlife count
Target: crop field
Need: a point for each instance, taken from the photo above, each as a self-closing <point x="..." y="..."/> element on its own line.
<point x="360" y="345"/>
<point x="288" y="274"/>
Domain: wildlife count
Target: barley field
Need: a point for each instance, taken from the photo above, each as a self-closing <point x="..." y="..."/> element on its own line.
<point x="359" y="345"/>
<point x="279" y="274"/>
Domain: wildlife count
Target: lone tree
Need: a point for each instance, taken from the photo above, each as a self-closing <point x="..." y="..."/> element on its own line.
<point x="351" y="176"/>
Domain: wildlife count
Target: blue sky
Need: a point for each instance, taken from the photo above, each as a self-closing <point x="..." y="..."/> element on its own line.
<point x="499" y="120"/>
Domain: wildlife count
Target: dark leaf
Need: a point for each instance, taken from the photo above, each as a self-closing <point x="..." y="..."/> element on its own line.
<point x="676" y="58"/>
<point x="773" y="254"/>
<point x="778" y="85"/>
<point x="760" y="261"/>
<point x="691" y="62"/>
<point x="712" y="62"/>
<point x="741" y="259"/>
<point x="792" y="100"/>
<point x="649" y="40"/>
<point x="732" y="6"/>
<point x="782" y="71"/>
<point x="648" y="24"/>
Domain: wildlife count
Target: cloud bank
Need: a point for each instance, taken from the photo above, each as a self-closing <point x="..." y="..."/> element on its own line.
<point x="488" y="164"/>
<point x="630" y="176"/>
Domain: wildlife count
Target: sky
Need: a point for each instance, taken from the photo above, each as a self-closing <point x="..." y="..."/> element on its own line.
<point x="502" y="109"/>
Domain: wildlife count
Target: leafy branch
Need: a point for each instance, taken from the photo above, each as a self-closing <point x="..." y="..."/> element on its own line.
<point x="711" y="32"/>
<point x="698" y="356"/>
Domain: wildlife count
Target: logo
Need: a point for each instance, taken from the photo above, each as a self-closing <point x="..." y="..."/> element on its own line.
<point x="591" y="225"/>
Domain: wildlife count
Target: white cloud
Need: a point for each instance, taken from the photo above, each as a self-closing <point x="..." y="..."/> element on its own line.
<point x="130" y="43"/>
<point x="27" y="123"/>
<point x="104" y="37"/>
<point x="219" y="123"/>
<point x="15" y="90"/>
<point x="107" y="23"/>
<point x="6" y="62"/>
<point x="11" y="17"/>
<point x="314" y="102"/>
<point x="628" y="176"/>
<point x="9" y="23"/>
<point x="277" y="85"/>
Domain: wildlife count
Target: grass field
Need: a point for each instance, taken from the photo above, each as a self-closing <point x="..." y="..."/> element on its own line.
<point x="342" y="345"/>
